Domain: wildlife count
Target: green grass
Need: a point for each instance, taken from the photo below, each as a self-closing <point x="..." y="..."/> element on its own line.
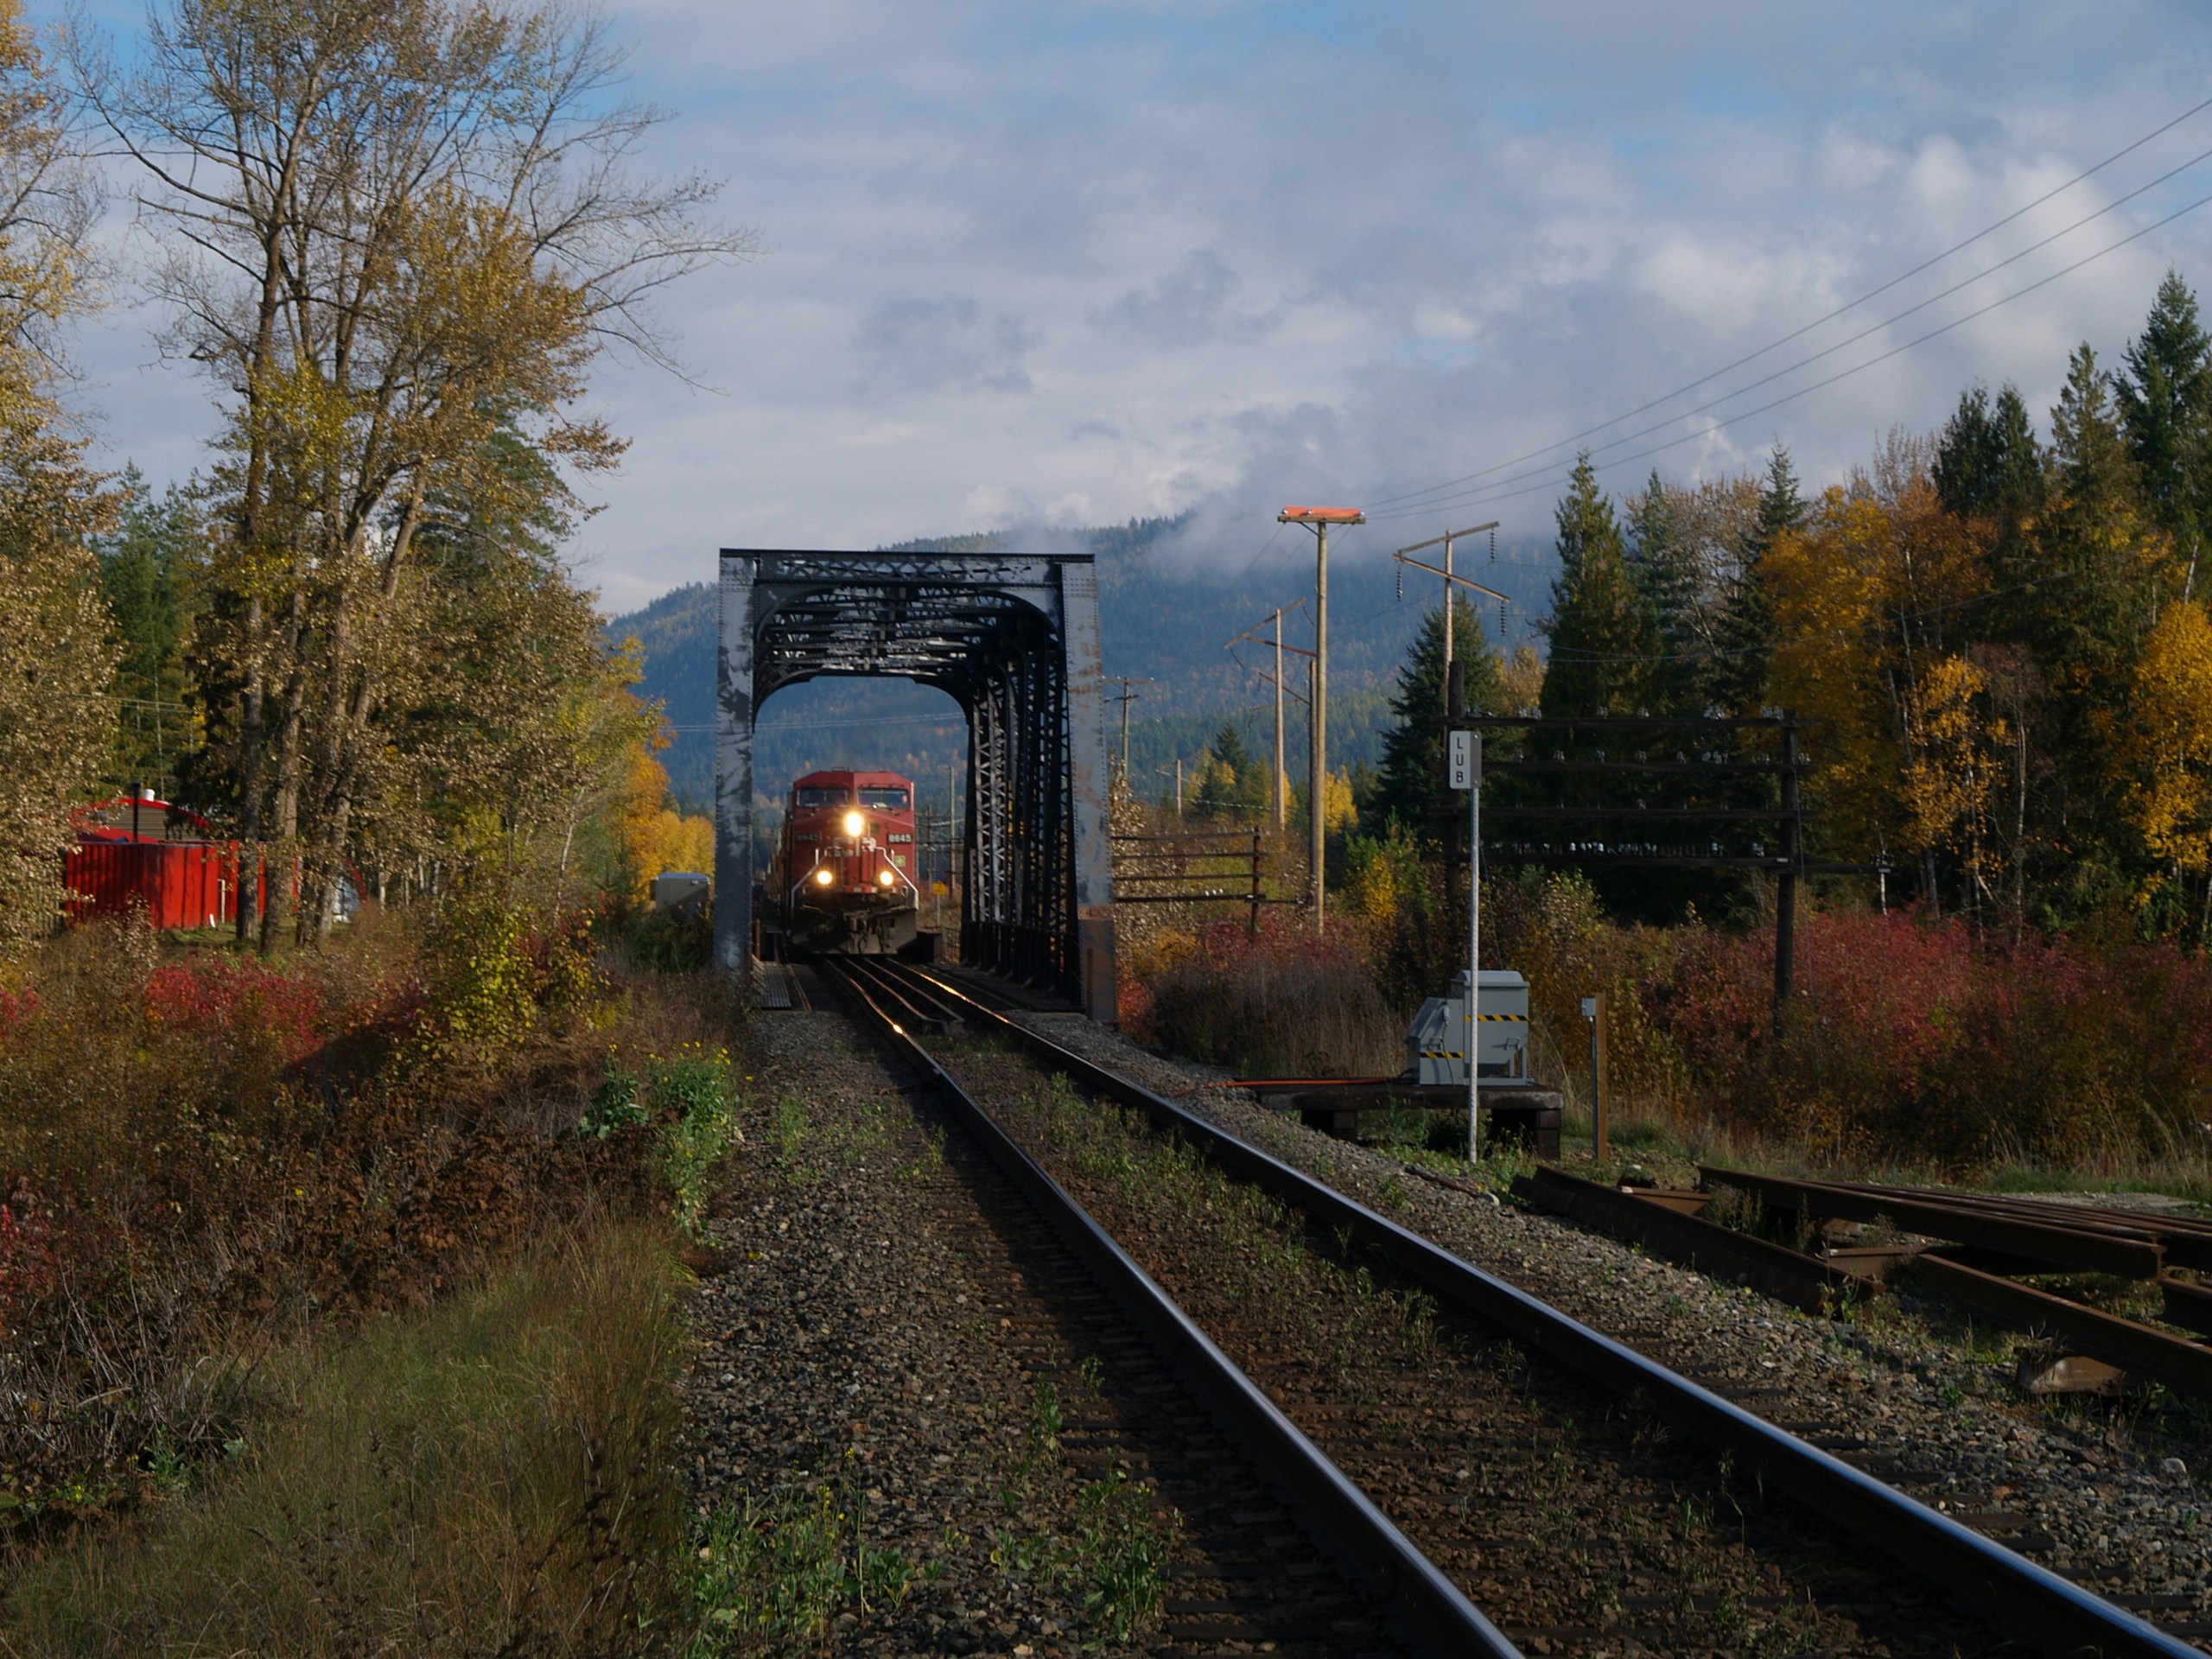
<point x="769" y="1575"/>
<point x="697" y="1093"/>
<point x="1122" y="1553"/>
<point x="491" y="1477"/>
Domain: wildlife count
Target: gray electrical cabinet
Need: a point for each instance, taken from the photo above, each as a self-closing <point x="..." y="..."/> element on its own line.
<point x="1436" y="1042"/>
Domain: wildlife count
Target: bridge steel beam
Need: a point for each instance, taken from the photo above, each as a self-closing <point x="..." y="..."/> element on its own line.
<point x="1014" y="639"/>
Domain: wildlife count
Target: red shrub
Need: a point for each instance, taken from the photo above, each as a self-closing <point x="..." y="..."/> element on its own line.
<point x="15" y="1006"/>
<point x="239" y="999"/>
<point x="27" y="1260"/>
<point x="1917" y="1039"/>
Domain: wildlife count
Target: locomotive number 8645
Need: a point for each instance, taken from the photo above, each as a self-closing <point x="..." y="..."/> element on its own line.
<point x="850" y="863"/>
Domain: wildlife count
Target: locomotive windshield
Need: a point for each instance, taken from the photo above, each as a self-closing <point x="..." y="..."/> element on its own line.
<point x="821" y="797"/>
<point x="885" y="800"/>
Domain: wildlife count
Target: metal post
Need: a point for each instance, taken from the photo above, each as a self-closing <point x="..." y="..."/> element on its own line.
<point x="734" y="717"/>
<point x="1447" y="604"/>
<point x="1600" y="1116"/>
<point x="1252" y="930"/>
<point x="1474" y="940"/>
<point x="1086" y="806"/>
<point x="1319" y="799"/>
<point x="1463" y="752"/>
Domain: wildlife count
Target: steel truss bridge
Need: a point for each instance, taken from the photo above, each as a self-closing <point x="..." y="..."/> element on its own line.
<point x="1012" y="637"/>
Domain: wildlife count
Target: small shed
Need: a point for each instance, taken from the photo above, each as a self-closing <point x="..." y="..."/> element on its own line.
<point x="137" y="850"/>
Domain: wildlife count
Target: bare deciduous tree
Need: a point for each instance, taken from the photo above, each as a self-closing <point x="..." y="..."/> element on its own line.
<point x="397" y="233"/>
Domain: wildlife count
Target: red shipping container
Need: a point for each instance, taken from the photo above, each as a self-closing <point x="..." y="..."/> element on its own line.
<point x="181" y="883"/>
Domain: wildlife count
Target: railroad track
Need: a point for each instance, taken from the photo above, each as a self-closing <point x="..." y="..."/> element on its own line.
<point x="1244" y="1578"/>
<point x="1824" y="1536"/>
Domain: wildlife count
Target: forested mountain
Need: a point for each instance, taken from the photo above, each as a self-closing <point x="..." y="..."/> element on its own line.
<point x="1166" y="616"/>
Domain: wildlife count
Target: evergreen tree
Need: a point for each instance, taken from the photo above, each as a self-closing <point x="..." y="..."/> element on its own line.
<point x="1231" y="776"/>
<point x="1603" y="635"/>
<point x="1745" y="636"/>
<point x="1412" y="779"/>
<point x="2164" y="402"/>
<point x="1988" y="464"/>
<point x="1228" y="749"/>
<point x="2093" y="574"/>
<point x="2087" y="585"/>
<point x="2090" y="460"/>
<point x="1663" y="564"/>
<point x="146" y="573"/>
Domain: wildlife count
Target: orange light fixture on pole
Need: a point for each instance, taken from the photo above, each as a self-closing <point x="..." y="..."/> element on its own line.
<point x="1318" y="519"/>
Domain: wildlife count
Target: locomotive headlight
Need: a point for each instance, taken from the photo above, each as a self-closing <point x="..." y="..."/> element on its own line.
<point x="884" y="878"/>
<point x="853" y="824"/>
<point x="824" y="876"/>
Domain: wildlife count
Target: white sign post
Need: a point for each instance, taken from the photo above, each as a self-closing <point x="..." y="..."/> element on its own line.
<point x="1466" y="769"/>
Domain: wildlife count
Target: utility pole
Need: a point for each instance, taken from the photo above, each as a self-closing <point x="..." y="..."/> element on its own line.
<point x="1278" y="782"/>
<point x="1125" y="697"/>
<point x="1318" y="519"/>
<point x="1282" y="771"/>
<point x="1444" y="541"/>
<point x="1178" y="775"/>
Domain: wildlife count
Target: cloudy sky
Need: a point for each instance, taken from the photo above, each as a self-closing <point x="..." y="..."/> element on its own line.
<point x="1066" y="263"/>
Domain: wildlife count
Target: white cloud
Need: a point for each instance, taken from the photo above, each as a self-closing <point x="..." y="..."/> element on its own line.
<point x="1043" y="263"/>
<point x="947" y="344"/>
<point x="1186" y="306"/>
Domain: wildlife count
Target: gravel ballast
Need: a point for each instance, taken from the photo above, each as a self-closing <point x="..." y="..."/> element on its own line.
<point x="1906" y="1391"/>
<point x="881" y="1321"/>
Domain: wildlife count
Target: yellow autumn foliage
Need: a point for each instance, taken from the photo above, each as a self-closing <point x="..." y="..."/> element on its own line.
<point x="1951" y="781"/>
<point x="1861" y="597"/>
<point x="2172" y="738"/>
<point x="655" y="836"/>
<point x="1338" y="812"/>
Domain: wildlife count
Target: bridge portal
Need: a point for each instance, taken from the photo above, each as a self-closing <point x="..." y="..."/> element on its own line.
<point x="1014" y="639"/>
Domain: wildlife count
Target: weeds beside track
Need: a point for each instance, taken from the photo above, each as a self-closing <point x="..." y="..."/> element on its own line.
<point x="2041" y="1609"/>
<point x="1406" y="1589"/>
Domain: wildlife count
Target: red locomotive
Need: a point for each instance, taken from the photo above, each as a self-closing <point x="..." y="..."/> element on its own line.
<point x="850" y="863"/>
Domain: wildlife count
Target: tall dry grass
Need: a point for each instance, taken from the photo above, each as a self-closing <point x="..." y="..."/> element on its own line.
<point x="1285" y="1004"/>
<point x="1911" y="1045"/>
<point x="202" y="1157"/>
<point x="493" y="1475"/>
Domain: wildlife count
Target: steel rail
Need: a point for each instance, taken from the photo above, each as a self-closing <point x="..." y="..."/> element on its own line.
<point x="1423" y="1606"/>
<point x="2048" y="1240"/>
<point x="2029" y="1602"/>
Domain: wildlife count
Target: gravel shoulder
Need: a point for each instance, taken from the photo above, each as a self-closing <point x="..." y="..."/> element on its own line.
<point x="872" y="1336"/>
<point x="844" y="1345"/>
<point x="2094" y="1490"/>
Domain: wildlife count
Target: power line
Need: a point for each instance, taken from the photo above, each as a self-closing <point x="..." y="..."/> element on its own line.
<point x="1263" y="553"/>
<point x="1797" y="333"/>
<point x="1853" y="339"/>
<point x="1553" y="480"/>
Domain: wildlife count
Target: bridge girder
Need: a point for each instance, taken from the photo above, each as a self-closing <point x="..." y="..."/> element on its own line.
<point x="1014" y="639"/>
